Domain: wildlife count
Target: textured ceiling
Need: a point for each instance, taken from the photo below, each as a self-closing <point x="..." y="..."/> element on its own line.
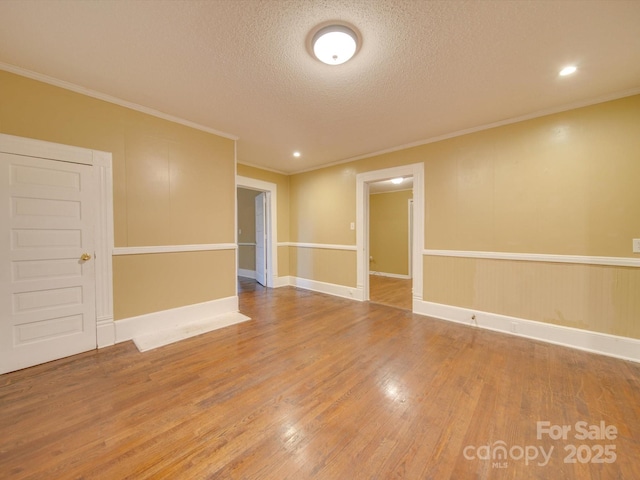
<point x="425" y="69"/>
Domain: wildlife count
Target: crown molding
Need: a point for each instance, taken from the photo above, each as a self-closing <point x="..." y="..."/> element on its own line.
<point x="110" y="99"/>
<point x="479" y="128"/>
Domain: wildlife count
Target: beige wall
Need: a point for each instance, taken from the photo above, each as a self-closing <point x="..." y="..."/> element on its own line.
<point x="323" y="205"/>
<point x="282" y="184"/>
<point x="155" y="282"/>
<point x="592" y="297"/>
<point x="173" y="185"/>
<point x="247" y="228"/>
<point x="562" y="184"/>
<point x="389" y="232"/>
<point x="324" y="265"/>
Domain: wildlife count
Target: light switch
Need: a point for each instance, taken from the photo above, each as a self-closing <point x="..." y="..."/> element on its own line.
<point x="353" y="226"/>
<point x="636" y="245"/>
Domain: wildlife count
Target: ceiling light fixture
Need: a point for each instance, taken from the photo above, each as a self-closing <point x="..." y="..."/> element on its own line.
<point x="296" y="154"/>
<point x="334" y="44"/>
<point x="568" y="70"/>
<point x="397" y="181"/>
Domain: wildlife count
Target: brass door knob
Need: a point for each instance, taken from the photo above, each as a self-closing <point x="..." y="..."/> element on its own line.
<point x="85" y="257"/>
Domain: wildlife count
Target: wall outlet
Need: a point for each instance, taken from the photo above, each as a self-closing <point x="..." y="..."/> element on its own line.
<point x="636" y="245"/>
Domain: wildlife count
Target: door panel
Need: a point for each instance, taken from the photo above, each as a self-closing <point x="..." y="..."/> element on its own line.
<point x="261" y="258"/>
<point x="47" y="292"/>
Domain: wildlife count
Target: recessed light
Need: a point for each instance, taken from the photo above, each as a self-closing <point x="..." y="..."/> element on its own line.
<point x="296" y="154"/>
<point x="568" y="70"/>
<point x="397" y="181"/>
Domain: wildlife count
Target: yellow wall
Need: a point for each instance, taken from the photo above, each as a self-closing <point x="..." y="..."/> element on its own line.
<point x="173" y="185"/>
<point x="323" y="205"/>
<point x="562" y="184"/>
<point x="592" y="297"/>
<point x="389" y="232"/>
<point x="324" y="265"/>
<point x="247" y="228"/>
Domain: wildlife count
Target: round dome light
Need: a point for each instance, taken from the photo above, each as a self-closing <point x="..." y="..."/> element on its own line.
<point x="334" y="44"/>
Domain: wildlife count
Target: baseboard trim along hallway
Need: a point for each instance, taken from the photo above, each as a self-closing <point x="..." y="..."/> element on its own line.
<point x="611" y="345"/>
<point x="174" y="318"/>
<point x="181" y="332"/>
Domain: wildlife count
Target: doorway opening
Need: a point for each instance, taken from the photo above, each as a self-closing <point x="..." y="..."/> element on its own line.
<point x="390" y="242"/>
<point x="256" y="229"/>
<point x="415" y="240"/>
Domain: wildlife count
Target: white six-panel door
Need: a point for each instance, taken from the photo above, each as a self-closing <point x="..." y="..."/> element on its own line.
<point x="47" y="278"/>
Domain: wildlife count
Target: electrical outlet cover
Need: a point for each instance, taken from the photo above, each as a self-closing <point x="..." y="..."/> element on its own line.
<point x="636" y="245"/>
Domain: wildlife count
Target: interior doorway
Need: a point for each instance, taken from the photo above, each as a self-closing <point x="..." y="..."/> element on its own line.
<point x="390" y="242"/>
<point x="252" y="262"/>
<point x="364" y="181"/>
<point x="256" y="227"/>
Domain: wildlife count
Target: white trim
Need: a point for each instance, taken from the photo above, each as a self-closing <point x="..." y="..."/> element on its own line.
<point x="415" y="170"/>
<point x="390" y="275"/>
<point x="32" y="147"/>
<point x="235" y="214"/>
<point x="173" y="248"/>
<point x="243" y="272"/>
<point x="328" y="288"/>
<point x="538" y="257"/>
<point x="614" y="346"/>
<point x="108" y="98"/>
<point x="271" y="195"/>
<point x="392" y="191"/>
<point x="262" y="167"/>
<point x="161" y="338"/>
<point x="103" y="234"/>
<point x="487" y="126"/>
<point x="410" y="252"/>
<point x="173" y="318"/>
<point x="285" y="281"/>
<point x="105" y="332"/>
<point x="246" y="244"/>
<point x="325" y="246"/>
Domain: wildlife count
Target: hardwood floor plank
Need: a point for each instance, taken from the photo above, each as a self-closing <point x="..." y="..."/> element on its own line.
<point x="316" y="387"/>
<point x="394" y="292"/>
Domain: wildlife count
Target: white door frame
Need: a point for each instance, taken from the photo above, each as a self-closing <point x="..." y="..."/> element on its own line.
<point x="410" y="236"/>
<point x="103" y="190"/>
<point x="363" y="180"/>
<point x="271" y="222"/>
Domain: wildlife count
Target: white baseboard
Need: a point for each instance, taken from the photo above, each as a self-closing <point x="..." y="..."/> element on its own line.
<point x="352" y="293"/>
<point x="390" y="275"/>
<point x="243" y="272"/>
<point x="128" y="328"/>
<point x="106" y="332"/>
<point x="614" y="346"/>
<point x="282" y="281"/>
<point x="161" y="338"/>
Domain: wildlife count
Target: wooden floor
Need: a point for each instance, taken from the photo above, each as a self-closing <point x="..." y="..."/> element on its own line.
<point x="321" y="387"/>
<point x="394" y="292"/>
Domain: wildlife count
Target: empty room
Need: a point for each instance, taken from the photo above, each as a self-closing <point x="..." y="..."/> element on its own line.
<point x="295" y="239"/>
